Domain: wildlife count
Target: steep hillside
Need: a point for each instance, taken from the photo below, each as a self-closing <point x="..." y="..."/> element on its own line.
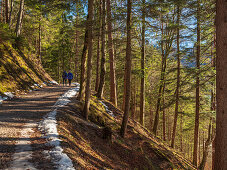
<point x="19" y="70"/>
<point x="97" y="144"/>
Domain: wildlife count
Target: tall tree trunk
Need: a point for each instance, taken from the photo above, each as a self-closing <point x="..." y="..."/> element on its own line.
<point x="213" y="154"/>
<point x="127" y="71"/>
<point x="39" y="41"/>
<point x="221" y="79"/>
<point x="7" y="11"/>
<point x="133" y="101"/>
<point x="2" y="11"/>
<point x="164" y="57"/>
<point x="113" y="89"/>
<point x="213" y="100"/>
<point x="163" y="115"/>
<point x="82" y="66"/>
<point x="142" y="83"/>
<point x="10" y="13"/>
<point x="151" y="116"/>
<point x="76" y="51"/>
<point x="196" y="131"/>
<point x="19" y="19"/>
<point x="63" y="56"/>
<point x="181" y="133"/>
<point x="169" y="122"/>
<point x="206" y="149"/>
<point x="98" y="47"/>
<point x="103" y="59"/>
<point x="89" y="58"/>
<point x="123" y="103"/>
<point x="178" y="78"/>
<point x="199" y="148"/>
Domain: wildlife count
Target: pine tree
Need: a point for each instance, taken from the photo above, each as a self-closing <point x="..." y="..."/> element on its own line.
<point x="221" y="125"/>
<point x="103" y="59"/>
<point x="127" y="71"/>
<point x="89" y="58"/>
<point x="113" y="88"/>
<point x="196" y="131"/>
<point x="142" y="90"/>
<point x="19" y="19"/>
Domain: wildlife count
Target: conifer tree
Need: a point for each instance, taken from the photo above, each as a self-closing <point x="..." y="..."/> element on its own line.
<point x="103" y="59"/>
<point x="127" y="71"/>
<point x="221" y="125"/>
<point x="89" y="58"/>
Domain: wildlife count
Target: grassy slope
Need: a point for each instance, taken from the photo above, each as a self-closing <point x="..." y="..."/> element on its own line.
<point x="83" y="142"/>
<point x="18" y="70"/>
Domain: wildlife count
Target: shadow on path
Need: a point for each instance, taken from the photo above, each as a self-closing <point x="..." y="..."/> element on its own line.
<point x="24" y="109"/>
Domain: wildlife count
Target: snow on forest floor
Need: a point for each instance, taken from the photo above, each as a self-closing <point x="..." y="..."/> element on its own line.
<point x="107" y="109"/>
<point x="8" y="94"/>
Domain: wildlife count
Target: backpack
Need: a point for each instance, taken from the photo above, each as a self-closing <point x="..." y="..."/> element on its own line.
<point x="70" y="76"/>
<point x="64" y="75"/>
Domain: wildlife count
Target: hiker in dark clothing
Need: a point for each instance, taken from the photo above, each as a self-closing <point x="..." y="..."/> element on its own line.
<point x="64" y="77"/>
<point x="70" y="77"/>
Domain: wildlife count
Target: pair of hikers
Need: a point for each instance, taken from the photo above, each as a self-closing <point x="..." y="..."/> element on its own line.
<point x="67" y="76"/>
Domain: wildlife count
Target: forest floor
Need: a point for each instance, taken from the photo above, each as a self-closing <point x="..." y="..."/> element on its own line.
<point x="84" y="141"/>
<point x="22" y="145"/>
<point x="19" y="118"/>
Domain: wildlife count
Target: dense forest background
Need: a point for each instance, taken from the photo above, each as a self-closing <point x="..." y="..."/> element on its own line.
<point x="172" y="59"/>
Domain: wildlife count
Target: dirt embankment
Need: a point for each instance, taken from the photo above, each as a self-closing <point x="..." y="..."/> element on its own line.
<point x="83" y="141"/>
<point x="19" y="70"/>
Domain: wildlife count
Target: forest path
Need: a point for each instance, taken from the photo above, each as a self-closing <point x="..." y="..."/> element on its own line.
<point x="20" y="139"/>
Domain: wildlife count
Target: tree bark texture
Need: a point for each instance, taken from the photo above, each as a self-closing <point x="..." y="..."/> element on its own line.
<point x="163" y="115"/>
<point x="113" y="85"/>
<point x="7" y="11"/>
<point x="162" y="78"/>
<point x="103" y="59"/>
<point x="178" y="79"/>
<point x="127" y="71"/>
<point x="2" y="11"/>
<point x="151" y="117"/>
<point x="82" y="66"/>
<point x="142" y="83"/>
<point x="89" y="58"/>
<point x="181" y="133"/>
<point x="133" y="102"/>
<point x="221" y="79"/>
<point x="98" y="48"/>
<point x="40" y="41"/>
<point x="19" y="19"/>
<point x="206" y="149"/>
<point x="76" y="51"/>
<point x="196" y="131"/>
<point x="10" y="13"/>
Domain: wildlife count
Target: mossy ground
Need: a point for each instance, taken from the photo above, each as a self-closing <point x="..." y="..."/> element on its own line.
<point x="83" y="141"/>
<point x="19" y="70"/>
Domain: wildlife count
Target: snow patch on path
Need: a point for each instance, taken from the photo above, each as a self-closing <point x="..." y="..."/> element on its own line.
<point x="8" y="94"/>
<point x="2" y="99"/>
<point x="23" y="150"/>
<point x="48" y="126"/>
<point x="53" y="82"/>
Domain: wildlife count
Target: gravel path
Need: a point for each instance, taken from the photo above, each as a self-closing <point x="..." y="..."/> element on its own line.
<point x="18" y="122"/>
